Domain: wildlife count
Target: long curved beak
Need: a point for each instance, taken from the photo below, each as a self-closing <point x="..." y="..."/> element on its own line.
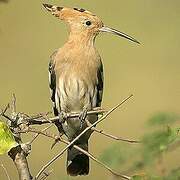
<point x="118" y="33"/>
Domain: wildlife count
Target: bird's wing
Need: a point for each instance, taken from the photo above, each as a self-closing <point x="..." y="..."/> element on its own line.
<point x="52" y="81"/>
<point x="52" y="85"/>
<point x="100" y="85"/>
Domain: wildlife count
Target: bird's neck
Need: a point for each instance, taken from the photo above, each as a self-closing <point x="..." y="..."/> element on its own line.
<point x="83" y="40"/>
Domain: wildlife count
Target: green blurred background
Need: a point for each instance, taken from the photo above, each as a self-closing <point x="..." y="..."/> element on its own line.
<point x="150" y="71"/>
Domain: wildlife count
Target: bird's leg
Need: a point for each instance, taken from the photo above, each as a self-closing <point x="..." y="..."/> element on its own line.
<point x="82" y="116"/>
<point x="62" y="117"/>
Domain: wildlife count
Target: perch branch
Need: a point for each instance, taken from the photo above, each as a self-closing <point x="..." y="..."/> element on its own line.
<point x="40" y="120"/>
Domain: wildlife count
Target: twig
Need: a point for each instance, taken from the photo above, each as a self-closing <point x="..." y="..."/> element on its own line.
<point x="46" y="175"/>
<point x="114" y="137"/>
<point x="13" y="103"/>
<point x="37" y="134"/>
<point x="38" y="121"/>
<point x="4" y="111"/>
<point x="111" y="136"/>
<point x="5" y="170"/>
<point x="84" y="131"/>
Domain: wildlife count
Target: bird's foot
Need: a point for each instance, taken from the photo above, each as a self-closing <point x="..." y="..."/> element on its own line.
<point x="62" y="117"/>
<point x="82" y="117"/>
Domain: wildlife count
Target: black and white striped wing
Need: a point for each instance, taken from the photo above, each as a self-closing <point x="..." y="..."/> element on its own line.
<point x="52" y="85"/>
<point x="52" y="82"/>
<point x="100" y="85"/>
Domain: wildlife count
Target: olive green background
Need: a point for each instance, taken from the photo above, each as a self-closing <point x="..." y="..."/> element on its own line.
<point x="150" y="71"/>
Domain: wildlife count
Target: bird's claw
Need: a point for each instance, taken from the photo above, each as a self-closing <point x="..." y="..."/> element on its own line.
<point x="62" y="116"/>
<point x="82" y="117"/>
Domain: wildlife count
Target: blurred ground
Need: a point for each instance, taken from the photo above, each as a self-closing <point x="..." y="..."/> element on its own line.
<point x="151" y="71"/>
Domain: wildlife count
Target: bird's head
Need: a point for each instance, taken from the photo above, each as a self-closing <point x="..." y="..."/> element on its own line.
<point x="83" y="22"/>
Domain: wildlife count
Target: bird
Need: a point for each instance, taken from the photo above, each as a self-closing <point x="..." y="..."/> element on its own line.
<point x="76" y="79"/>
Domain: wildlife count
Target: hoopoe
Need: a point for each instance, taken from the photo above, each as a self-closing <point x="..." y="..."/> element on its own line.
<point x="76" y="79"/>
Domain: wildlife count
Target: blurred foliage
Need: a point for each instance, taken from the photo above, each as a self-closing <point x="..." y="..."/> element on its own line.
<point x="7" y="140"/>
<point x="163" y="119"/>
<point x="162" y="138"/>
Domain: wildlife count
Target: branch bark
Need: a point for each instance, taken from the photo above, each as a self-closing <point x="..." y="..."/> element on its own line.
<point x="19" y="158"/>
<point x="17" y="154"/>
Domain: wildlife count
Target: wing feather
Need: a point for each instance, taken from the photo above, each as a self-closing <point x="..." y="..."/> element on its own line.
<point x="100" y="85"/>
<point x="52" y="82"/>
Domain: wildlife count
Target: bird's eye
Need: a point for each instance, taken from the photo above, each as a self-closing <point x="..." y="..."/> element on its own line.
<point x="88" y="23"/>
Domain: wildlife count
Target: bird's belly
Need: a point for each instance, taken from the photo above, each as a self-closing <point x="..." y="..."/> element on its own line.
<point x="76" y="94"/>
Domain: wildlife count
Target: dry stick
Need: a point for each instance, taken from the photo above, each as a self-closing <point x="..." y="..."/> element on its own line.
<point x="83" y="132"/>
<point x="37" y="121"/>
<point x="37" y="134"/>
<point x="5" y="170"/>
<point x="14" y="103"/>
<point x="114" y="137"/>
<point x="46" y="175"/>
<point x="4" y="111"/>
<point x="111" y="136"/>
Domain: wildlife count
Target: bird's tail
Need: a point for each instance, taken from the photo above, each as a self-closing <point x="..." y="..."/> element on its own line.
<point x="77" y="162"/>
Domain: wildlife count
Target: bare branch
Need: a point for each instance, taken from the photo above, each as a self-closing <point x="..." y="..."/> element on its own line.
<point x="17" y="154"/>
<point x="37" y="134"/>
<point x="3" y="112"/>
<point x="46" y="174"/>
<point x="19" y="158"/>
<point x="14" y="103"/>
<point x="5" y="170"/>
<point x="109" y="135"/>
<point x="39" y="120"/>
<point x="114" y="137"/>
